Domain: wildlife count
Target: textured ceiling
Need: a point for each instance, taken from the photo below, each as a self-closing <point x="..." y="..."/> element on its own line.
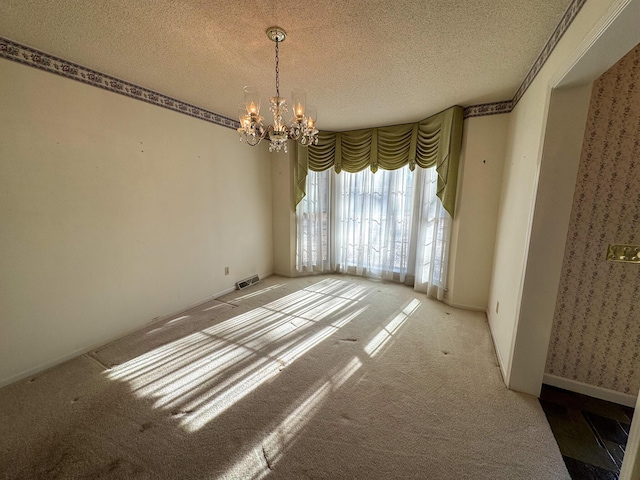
<point x="364" y="63"/>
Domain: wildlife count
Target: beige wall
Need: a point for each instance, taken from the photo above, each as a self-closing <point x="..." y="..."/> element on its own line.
<point x="600" y="35"/>
<point x="596" y="328"/>
<point x="557" y="176"/>
<point x="518" y="196"/>
<point x="474" y="225"/>
<point x="284" y="214"/>
<point x="113" y="212"/>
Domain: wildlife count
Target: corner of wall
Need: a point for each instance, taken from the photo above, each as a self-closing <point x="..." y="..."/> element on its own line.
<point x="284" y="227"/>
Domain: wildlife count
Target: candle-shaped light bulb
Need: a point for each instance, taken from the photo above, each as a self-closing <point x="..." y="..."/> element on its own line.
<point x="299" y="99"/>
<point x="245" y="119"/>
<point x="252" y="100"/>
<point x="312" y="116"/>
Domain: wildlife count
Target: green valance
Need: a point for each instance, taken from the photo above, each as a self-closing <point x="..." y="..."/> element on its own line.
<point x="434" y="141"/>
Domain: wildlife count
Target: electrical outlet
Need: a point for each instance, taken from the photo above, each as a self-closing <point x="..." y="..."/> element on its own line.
<point x="497" y="306"/>
<point x="226" y="270"/>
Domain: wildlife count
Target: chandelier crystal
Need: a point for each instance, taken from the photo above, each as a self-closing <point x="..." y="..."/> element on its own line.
<point x="302" y="126"/>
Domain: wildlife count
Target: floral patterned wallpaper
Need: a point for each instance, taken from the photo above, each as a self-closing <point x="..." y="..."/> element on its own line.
<point x="596" y="328"/>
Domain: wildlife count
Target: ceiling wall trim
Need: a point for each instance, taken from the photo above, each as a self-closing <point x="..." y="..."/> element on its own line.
<point x="506" y="106"/>
<point x="566" y="20"/>
<point x="34" y="58"/>
<point x="488" y="109"/>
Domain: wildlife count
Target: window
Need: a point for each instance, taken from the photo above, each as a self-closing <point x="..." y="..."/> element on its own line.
<point x="373" y="222"/>
<point x="386" y="225"/>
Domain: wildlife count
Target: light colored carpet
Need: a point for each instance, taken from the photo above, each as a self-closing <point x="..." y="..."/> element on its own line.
<point x="318" y="377"/>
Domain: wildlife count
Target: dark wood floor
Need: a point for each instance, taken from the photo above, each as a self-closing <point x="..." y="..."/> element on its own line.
<point x="591" y="433"/>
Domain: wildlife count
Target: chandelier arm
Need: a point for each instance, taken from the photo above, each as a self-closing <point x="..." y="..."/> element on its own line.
<point x="254" y="140"/>
<point x="294" y="131"/>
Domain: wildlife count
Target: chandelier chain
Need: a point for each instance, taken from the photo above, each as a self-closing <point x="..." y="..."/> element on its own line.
<point x="277" y="71"/>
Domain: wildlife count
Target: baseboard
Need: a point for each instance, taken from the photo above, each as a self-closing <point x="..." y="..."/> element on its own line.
<point x="283" y="274"/>
<point x="590" y="390"/>
<point x="81" y="351"/>
<point x="462" y="306"/>
<point x="76" y="353"/>
<point x="262" y="276"/>
<point x="503" y="368"/>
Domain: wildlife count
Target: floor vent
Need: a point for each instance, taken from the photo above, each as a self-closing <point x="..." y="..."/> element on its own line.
<point x="247" y="282"/>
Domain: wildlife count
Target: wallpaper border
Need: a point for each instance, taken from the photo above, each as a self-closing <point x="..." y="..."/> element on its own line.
<point x="35" y="58"/>
<point x="488" y="109"/>
<point x="566" y="20"/>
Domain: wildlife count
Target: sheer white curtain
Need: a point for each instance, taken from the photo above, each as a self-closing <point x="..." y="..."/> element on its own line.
<point x="433" y="231"/>
<point x="313" y="224"/>
<point x="373" y="222"/>
<point x="387" y="225"/>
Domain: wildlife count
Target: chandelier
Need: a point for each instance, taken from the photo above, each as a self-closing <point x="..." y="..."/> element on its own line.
<point x="302" y="126"/>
